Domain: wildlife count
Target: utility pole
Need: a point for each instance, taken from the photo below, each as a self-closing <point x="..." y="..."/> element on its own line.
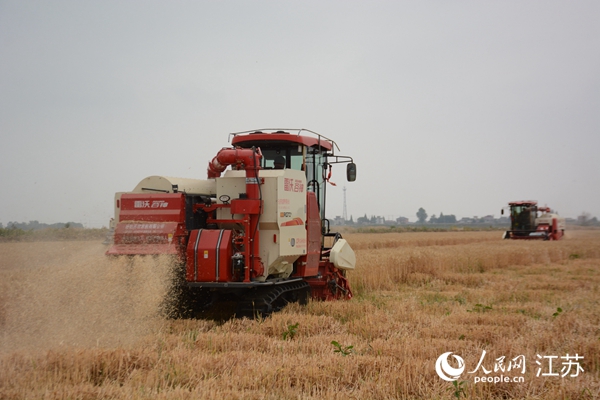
<point x="344" y="213"/>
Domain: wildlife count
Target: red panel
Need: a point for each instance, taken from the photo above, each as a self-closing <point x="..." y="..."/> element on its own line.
<point x="556" y="234"/>
<point x="133" y="238"/>
<point x="244" y="206"/>
<point x="150" y="223"/>
<point x="161" y="207"/>
<point x="209" y="254"/>
<point x="313" y="232"/>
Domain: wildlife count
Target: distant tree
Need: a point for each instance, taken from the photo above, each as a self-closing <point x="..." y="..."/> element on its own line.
<point x="446" y="219"/>
<point x="433" y="219"/>
<point x="362" y="220"/>
<point x="450" y="219"/>
<point x="36" y="225"/>
<point x="351" y="220"/>
<point x="421" y="215"/>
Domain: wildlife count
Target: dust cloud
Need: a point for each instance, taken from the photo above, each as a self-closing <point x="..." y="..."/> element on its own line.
<point x="70" y="294"/>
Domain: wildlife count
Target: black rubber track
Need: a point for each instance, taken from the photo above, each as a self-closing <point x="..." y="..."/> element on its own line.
<point x="262" y="302"/>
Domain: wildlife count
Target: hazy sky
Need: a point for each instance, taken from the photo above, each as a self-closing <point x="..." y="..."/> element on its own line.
<point x="454" y="106"/>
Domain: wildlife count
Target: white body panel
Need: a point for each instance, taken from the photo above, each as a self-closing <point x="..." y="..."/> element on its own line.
<point x="282" y="226"/>
<point x="342" y="255"/>
<point x="546" y="218"/>
<point x="165" y="184"/>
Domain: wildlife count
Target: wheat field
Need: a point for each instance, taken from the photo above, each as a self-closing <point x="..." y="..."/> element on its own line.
<point x="75" y="325"/>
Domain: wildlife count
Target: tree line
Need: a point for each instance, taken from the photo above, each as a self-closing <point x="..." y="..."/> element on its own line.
<point x="442" y="219"/>
<point x="36" y="225"/>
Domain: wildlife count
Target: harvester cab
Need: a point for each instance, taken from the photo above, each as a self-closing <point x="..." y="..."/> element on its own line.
<point x="528" y="221"/>
<point x="254" y="232"/>
<point x="314" y="155"/>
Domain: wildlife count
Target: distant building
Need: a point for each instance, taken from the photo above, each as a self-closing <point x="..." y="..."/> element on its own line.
<point x="488" y="219"/>
<point x="503" y="220"/>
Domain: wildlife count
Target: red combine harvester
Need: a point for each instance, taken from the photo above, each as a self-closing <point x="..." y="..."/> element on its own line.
<point x="255" y="235"/>
<point x="528" y="221"/>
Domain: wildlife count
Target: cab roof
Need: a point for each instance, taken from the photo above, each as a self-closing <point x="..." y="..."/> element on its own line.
<point x="280" y="137"/>
<point x="523" y="203"/>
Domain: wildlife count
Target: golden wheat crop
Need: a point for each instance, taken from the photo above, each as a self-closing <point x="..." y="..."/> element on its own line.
<point x="75" y="325"/>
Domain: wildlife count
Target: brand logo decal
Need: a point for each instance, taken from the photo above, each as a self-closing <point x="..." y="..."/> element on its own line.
<point x="148" y="204"/>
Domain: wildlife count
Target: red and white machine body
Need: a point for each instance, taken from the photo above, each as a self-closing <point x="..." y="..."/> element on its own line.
<point x="248" y="225"/>
<point x="528" y="221"/>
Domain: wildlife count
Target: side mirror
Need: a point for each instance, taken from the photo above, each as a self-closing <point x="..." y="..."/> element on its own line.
<point x="351" y="172"/>
<point x="502" y="211"/>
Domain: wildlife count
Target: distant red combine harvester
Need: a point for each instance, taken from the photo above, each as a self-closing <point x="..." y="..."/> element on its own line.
<point x="528" y="221"/>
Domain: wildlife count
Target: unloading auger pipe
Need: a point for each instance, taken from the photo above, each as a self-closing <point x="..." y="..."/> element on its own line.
<point x="237" y="156"/>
